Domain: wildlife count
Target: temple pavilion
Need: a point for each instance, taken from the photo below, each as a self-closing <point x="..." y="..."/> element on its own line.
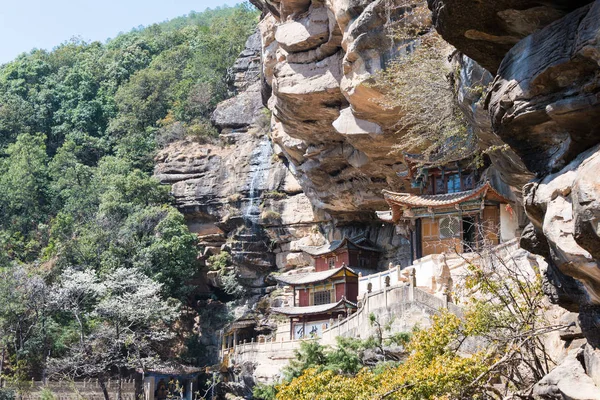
<point x="357" y="252"/>
<point x="453" y="217"/>
<point x="332" y="290"/>
<point x="319" y="297"/>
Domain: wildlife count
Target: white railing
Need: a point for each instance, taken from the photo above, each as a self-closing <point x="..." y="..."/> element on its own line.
<point x="391" y="300"/>
<point x="378" y="280"/>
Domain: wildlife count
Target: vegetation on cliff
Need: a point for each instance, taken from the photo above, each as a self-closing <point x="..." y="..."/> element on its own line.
<point x="420" y="84"/>
<point x="79" y="127"/>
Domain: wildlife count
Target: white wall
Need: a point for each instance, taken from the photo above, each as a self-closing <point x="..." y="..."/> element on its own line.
<point x="509" y="224"/>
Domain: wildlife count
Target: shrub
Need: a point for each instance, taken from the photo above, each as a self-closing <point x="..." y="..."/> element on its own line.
<point x="46" y="394"/>
<point x="7" y="394"/>
<point x="234" y="198"/>
<point x="219" y="262"/>
<point x="264" y="392"/>
<point x="277" y="195"/>
<point x="231" y="283"/>
<point x="270" y="216"/>
<point x="420" y="85"/>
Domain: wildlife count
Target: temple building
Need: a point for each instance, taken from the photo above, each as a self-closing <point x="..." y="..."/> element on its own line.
<point x="332" y="290"/>
<point x="358" y="253"/>
<point x="319" y="297"/>
<point x="453" y="215"/>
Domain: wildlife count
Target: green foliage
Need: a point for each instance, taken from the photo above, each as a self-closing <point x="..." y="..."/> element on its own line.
<point x="219" y="262"/>
<point x="310" y="355"/>
<point x="46" y="394"/>
<point x="231" y="283"/>
<point x="79" y="128"/>
<point x="264" y="392"/>
<point x="7" y="394"/>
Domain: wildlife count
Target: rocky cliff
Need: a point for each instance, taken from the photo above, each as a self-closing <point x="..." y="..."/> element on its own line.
<point x="241" y="195"/>
<point x="311" y="166"/>
<point x="543" y="105"/>
<point x="320" y="60"/>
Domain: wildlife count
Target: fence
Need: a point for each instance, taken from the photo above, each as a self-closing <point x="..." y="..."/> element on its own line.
<point x="88" y="389"/>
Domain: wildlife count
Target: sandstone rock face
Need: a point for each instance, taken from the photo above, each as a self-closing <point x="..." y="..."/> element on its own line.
<point x="568" y="381"/>
<point x="564" y="211"/>
<point x="544" y="101"/>
<point x="485" y="31"/>
<point x="320" y="59"/>
<point x="241" y="196"/>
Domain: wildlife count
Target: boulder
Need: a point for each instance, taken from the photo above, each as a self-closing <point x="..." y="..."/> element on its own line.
<point x="486" y="30"/>
<point x="563" y="208"/>
<point x="567" y="381"/>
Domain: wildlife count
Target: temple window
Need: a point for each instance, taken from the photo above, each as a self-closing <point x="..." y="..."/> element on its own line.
<point x="331" y="262"/>
<point x="453" y="183"/>
<point x="322" y="297"/>
<point x="469" y="181"/>
<point x="440" y="187"/>
<point x="449" y="227"/>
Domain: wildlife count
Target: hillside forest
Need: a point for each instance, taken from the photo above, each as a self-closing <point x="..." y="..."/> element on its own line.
<point x="94" y="259"/>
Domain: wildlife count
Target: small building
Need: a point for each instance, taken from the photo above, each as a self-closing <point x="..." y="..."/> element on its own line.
<point x="171" y="381"/>
<point x="449" y="220"/>
<point x="319" y="297"/>
<point x="357" y="252"/>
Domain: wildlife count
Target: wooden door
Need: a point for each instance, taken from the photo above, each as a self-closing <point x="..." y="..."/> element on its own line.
<point x="433" y="242"/>
<point x="491" y="225"/>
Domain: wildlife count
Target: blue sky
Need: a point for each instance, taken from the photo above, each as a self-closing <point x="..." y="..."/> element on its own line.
<point x="44" y="24"/>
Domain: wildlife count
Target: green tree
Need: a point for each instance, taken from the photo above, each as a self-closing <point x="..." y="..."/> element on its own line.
<point x="25" y="198"/>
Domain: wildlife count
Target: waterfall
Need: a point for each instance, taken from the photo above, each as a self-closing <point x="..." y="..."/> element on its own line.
<point x="261" y="164"/>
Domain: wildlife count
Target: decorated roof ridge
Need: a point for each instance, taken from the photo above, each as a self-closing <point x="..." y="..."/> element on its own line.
<point x="441" y="200"/>
<point x="312" y="310"/>
<point x="336" y="244"/>
<point x="312" y="277"/>
<point x="386" y="216"/>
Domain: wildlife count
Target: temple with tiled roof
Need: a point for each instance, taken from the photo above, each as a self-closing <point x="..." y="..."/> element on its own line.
<point x="319" y="297"/>
<point x="357" y="252"/>
<point x="453" y="217"/>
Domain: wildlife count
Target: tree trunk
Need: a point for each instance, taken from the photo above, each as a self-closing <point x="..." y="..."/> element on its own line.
<point x="120" y="385"/>
<point x="2" y="366"/>
<point x="104" y="389"/>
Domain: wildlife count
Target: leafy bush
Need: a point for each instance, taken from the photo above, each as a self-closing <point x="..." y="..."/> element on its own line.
<point x="7" y="394"/>
<point x="219" y="262"/>
<point x="231" y="283"/>
<point x="264" y="392"/>
<point x="46" y="394"/>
